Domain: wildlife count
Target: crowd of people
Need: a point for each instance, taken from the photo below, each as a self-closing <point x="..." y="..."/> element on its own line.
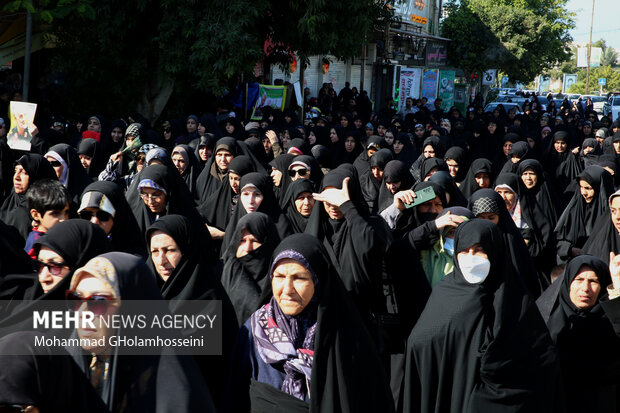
<point x="418" y="260"/>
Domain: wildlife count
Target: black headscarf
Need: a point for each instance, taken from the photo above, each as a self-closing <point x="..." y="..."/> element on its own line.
<point x="573" y="330"/>
<point x="362" y="161"/>
<point x="480" y="347"/>
<point x="14" y="211"/>
<point x="76" y="179"/>
<point x="192" y="166"/>
<point x="211" y="176"/>
<point x="298" y="221"/>
<point x="408" y="154"/>
<point x="90" y="147"/>
<point x="246" y="279"/>
<point x="76" y="241"/>
<point x="604" y="237"/>
<point x="469" y="184"/>
<point x="51" y="382"/>
<point x="432" y="163"/>
<point x="369" y="184"/>
<point x="281" y="163"/>
<point x="339" y="382"/>
<point x="178" y="198"/>
<point x="487" y="200"/>
<point x="445" y="180"/>
<point x="269" y="205"/>
<point x="459" y="155"/>
<point x="154" y="383"/>
<point x="577" y="221"/>
<point x="438" y="147"/>
<point x="356" y="243"/>
<point x="542" y="193"/>
<point x="125" y="235"/>
<point x="394" y="171"/>
<point x="218" y="207"/>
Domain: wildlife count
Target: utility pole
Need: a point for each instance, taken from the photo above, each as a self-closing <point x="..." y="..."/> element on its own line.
<point x="26" y="84"/>
<point x="589" y="50"/>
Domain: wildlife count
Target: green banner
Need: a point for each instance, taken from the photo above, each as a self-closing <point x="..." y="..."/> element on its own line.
<point x="274" y="96"/>
<point x="446" y="89"/>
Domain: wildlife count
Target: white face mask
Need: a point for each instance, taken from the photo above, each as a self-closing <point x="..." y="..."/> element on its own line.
<point x="475" y="269"/>
<point x="448" y="246"/>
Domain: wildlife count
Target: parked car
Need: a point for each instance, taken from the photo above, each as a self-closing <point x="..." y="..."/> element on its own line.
<point x="612" y="106"/>
<point x="507" y="105"/>
<point x="598" y="101"/>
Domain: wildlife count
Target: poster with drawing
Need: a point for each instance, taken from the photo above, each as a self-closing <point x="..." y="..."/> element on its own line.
<point x="22" y="125"/>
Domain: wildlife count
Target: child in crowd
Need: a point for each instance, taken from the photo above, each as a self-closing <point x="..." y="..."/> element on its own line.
<point x="48" y="203"/>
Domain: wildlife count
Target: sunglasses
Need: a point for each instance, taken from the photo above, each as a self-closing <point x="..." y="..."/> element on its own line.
<point x="96" y="303"/>
<point x="55" y="164"/>
<point x="167" y="130"/>
<point x="55" y="268"/>
<point x="301" y="172"/>
<point x="101" y="215"/>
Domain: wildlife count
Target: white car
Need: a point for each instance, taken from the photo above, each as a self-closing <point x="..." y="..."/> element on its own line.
<point x="612" y="106"/>
<point x="597" y="101"/>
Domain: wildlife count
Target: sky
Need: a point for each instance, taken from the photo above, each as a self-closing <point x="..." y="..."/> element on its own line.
<point x="606" y="23"/>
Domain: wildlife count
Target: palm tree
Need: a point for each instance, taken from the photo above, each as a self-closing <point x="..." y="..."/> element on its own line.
<point x="609" y="56"/>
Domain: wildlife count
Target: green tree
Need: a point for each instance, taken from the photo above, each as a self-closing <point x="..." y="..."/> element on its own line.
<point x="522" y="38"/>
<point x="136" y="55"/>
<point x="611" y="75"/>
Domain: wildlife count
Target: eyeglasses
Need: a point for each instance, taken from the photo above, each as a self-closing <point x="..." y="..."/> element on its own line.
<point x="167" y="130"/>
<point x="301" y="172"/>
<point x="55" y="268"/>
<point x="96" y="303"/>
<point x="154" y="197"/>
<point x="101" y="215"/>
<point x="55" y="164"/>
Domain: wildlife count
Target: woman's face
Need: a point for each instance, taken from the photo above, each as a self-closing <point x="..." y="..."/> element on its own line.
<point x="585" y="288"/>
<point x="204" y="153"/>
<point x="529" y="178"/>
<point x="286" y="140"/>
<point x="116" y="134"/>
<point x="234" y="180"/>
<point x="333" y="136"/>
<point x="85" y="160"/>
<point x="349" y="144"/>
<point x="304" y="203"/>
<point x="398" y="147"/>
<point x="507" y="147"/>
<point x="312" y="138"/>
<point x="58" y="168"/>
<point x="247" y="244"/>
<point x="154" y="199"/>
<point x="223" y="159"/>
<point x="429" y="151"/>
<point x="508" y="196"/>
<point x="230" y="128"/>
<point x="21" y="180"/>
<point x="87" y="287"/>
<point x="434" y="132"/>
<point x="102" y="219"/>
<point x="491" y="128"/>
<point x="587" y="192"/>
<point x="446" y="125"/>
<point x="453" y="167"/>
<point x="475" y="250"/>
<point x="191" y="125"/>
<point x="483" y="180"/>
<point x="489" y="216"/>
<point x="276" y="176"/>
<point x="393" y="187"/>
<point x="94" y="125"/>
<point x="389" y="138"/>
<point x="179" y="162"/>
<point x="292" y="286"/>
<point x="165" y="254"/>
<point x="357" y="123"/>
<point x="377" y="173"/>
<point x="54" y="270"/>
<point x="251" y="198"/>
<point x="344" y="122"/>
<point x="560" y="146"/>
<point x="201" y="129"/>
